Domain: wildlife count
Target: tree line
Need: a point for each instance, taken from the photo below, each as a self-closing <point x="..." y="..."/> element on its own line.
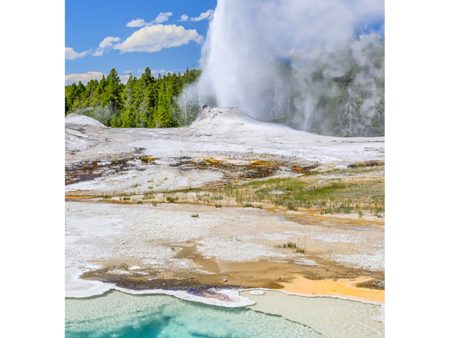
<point x="144" y="102"/>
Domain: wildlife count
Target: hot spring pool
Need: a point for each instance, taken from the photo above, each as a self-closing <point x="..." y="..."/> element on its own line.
<point x="118" y="314"/>
<point x="121" y="315"/>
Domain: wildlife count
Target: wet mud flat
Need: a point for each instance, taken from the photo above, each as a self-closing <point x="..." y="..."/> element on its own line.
<point x="216" y="274"/>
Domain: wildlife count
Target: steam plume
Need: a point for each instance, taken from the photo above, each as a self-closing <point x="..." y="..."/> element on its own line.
<point x="311" y="64"/>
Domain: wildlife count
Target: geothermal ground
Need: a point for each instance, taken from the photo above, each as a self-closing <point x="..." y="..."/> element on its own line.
<point x="227" y="202"/>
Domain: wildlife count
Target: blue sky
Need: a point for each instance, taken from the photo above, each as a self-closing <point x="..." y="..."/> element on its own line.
<point x="129" y="35"/>
<point x="166" y="44"/>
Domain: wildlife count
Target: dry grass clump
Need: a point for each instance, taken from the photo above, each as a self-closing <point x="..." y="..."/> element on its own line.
<point x="303" y="169"/>
<point x="211" y="161"/>
<point x="148" y="159"/>
<point x="293" y="246"/>
<point x="372" y="163"/>
<point x="263" y="164"/>
<point x="171" y="199"/>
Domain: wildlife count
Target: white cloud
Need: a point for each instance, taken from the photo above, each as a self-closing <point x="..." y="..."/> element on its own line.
<point x="83" y="77"/>
<point x="162" y="17"/>
<point x="105" y="44"/>
<point x="152" y="39"/>
<point x="88" y="76"/>
<point x="183" y="18"/>
<point x="136" y="23"/>
<point x="124" y="77"/>
<point x="71" y="54"/>
<point x="108" y="42"/>
<point x="203" y="16"/>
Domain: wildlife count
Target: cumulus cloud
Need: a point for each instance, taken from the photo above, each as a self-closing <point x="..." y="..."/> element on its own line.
<point x="136" y="23"/>
<point x="203" y="16"/>
<point x="105" y="44"/>
<point x="71" y="54"/>
<point x="184" y="18"/>
<point x="108" y="42"/>
<point x="83" y="77"/>
<point x="162" y="17"/>
<point x="152" y="39"/>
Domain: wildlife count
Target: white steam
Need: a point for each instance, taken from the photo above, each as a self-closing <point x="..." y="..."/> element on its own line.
<point x="298" y="62"/>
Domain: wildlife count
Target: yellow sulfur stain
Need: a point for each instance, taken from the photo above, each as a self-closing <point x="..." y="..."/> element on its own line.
<point x="328" y="287"/>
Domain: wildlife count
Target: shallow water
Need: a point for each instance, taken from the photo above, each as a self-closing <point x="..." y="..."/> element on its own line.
<point x="332" y="317"/>
<point x="121" y="315"/>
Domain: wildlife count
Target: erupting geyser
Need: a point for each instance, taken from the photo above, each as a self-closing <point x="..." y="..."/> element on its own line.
<point x="315" y="65"/>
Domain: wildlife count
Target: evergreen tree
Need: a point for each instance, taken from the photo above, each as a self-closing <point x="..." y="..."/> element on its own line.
<point x="164" y="115"/>
<point x="113" y="89"/>
<point x="89" y="93"/>
<point x="79" y="93"/>
<point x="99" y="93"/>
<point x="147" y="77"/>
<point x="143" y="102"/>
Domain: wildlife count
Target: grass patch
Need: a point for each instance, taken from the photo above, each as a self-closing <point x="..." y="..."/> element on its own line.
<point x="288" y="245"/>
<point x="343" y="191"/>
<point x="292" y="246"/>
<point x="346" y="195"/>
